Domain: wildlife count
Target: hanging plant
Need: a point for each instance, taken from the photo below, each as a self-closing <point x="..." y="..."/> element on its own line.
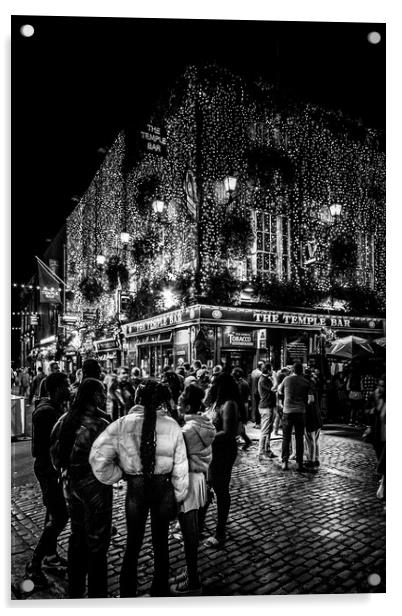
<point x="143" y="304"/>
<point x="223" y="288"/>
<point x="146" y="246"/>
<point x="262" y="162"/>
<point x="343" y="255"/>
<point x="116" y="272"/>
<point x="90" y="288"/>
<point x="237" y="235"/>
<point x="147" y="188"/>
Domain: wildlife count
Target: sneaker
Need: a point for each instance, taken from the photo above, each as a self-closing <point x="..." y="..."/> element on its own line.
<point x="285" y="466"/>
<point x="271" y="454"/>
<point x="182" y="589"/>
<point x="309" y="464"/>
<point x="316" y="463"/>
<point x="300" y="467"/>
<point x="213" y="542"/>
<point x="55" y="561"/>
<point x="180" y="577"/>
<point x="36" y="576"/>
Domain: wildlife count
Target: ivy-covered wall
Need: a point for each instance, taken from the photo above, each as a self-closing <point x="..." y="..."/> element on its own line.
<point x="289" y="159"/>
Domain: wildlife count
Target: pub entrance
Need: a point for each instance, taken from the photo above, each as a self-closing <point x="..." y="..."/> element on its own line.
<point x="238" y="358"/>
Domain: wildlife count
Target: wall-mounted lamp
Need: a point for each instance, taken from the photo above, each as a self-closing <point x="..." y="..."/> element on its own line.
<point x="100" y="260"/>
<point x="230" y="183"/>
<point x="125" y="238"/>
<point x="158" y="206"/>
<point x="335" y="209"/>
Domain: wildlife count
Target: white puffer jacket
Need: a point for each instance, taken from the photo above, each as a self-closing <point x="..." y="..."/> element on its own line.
<point x="117" y="450"/>
<point x="198" y="432"/>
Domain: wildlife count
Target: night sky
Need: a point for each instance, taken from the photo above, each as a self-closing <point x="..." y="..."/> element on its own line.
<point x="78" y="81"/>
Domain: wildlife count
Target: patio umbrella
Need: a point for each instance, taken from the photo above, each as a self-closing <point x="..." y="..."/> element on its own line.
<point x="350" y="347"/>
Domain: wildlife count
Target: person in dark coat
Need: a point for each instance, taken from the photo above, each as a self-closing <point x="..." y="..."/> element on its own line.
<point x="313" y="422"/>
<point x="89" y="501"/>
<point x="44" y="418"/>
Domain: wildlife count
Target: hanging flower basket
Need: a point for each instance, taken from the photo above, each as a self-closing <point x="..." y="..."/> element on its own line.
<point x="90" y="288"/>
<point x="116" y="271"/>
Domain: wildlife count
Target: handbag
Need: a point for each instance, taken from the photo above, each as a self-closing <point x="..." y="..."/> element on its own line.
<point x="355" y="395"/>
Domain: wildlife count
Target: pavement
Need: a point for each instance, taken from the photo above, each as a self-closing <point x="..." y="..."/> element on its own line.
<point x="314" y="532"/>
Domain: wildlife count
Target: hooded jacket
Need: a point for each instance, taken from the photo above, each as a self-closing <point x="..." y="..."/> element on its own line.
<point x="117" y="450"/>
<point x="198" y="432"/>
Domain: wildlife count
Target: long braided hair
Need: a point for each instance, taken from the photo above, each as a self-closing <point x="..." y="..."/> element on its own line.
<point x="151" y="395"/>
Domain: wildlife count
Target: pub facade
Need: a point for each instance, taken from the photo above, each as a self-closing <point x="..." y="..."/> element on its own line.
<point x="234" y="226"/>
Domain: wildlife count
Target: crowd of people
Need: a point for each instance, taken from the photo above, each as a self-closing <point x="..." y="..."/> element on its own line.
<point x="174" y="442"/>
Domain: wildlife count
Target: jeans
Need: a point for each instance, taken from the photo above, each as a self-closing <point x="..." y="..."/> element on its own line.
<point x="290" y="420"/>
<point x="153" y="494"/>
<point x="255" y="413"/>
<point x="56" y="514"/>
<point x="224" y="454"/>
<point x="190" y="531"/>
<point x="312" y="446"/>
<point x="90" y="506"/>
<point x="267" y="425"/>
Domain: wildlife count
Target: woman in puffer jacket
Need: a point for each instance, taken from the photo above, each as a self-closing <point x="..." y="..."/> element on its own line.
<point x="147" y="448"/>
<point x="89" y="501"/>
<point x="198" y="432"/>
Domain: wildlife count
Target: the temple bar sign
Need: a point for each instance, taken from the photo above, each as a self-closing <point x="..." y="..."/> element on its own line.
<point x="301" y="319"/>
<point x="153" y="139"/>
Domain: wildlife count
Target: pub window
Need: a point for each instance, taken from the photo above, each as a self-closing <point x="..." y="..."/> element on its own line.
<point x="365" y="262"/>
<point x="272" y="245"/>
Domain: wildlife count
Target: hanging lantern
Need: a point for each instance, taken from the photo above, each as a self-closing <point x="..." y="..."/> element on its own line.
<point x="125" y="238"/>
<point x="230" y="183"/>
<point x="158" y="206"/>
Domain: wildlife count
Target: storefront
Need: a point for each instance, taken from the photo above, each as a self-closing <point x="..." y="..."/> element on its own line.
<point x="236" y="336"/>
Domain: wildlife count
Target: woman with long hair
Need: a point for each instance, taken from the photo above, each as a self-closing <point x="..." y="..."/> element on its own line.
<point x="225" y="417"/>
<point x="89" y="501"/>
<point x="147" y="448"/>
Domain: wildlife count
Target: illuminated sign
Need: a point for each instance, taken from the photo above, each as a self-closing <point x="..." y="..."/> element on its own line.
<point x="153" y="140"/>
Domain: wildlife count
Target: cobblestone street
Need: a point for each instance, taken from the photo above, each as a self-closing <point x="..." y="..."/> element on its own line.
<point x="288" y="532"/>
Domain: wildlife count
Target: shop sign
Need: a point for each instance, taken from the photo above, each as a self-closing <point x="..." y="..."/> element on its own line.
<point x="34" y="319"/>
<point x="69" y="319"/>
<point x="107" y="356"/>
<point x="153" y="139"/>
<point x="297" y="350"/>
<point x="105" y="345"/>
<point x="89" y="315"/>
<point x="238" y="339"/>
<point x="163" y="320"/>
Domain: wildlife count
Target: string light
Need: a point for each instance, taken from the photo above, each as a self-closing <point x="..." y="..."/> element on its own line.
<point x="318" y="158"/>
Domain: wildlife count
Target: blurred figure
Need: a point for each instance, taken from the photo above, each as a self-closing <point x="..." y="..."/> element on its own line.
<point x="225" y="418"/>
<point x="91" y="369"/>
<point x="198" y="432"/>
<point x="89" y="501"/>
<point x="136" y="377"/>
<point x="266" y="407"/>
<point x="147" y="448"/>
<point x="244" y="395"/>
<point x="353" y="387"/>
<point x="35" y="385"/>
<point x="77" y="382"/>
<point x="122" y="392"/>
<point x="44" y="418"/>
<point x="295" y="388"/>
<point x="25" y="383"/>
<point x="253" y="379"/>
<point x="313" y="422"/>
